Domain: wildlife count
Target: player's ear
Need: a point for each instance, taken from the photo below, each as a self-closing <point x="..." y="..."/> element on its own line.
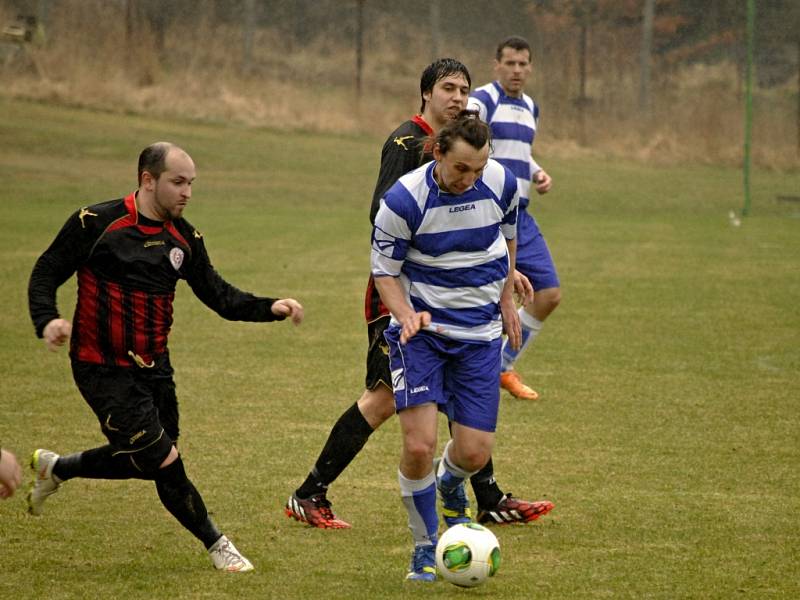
<point x="148" y="181"/>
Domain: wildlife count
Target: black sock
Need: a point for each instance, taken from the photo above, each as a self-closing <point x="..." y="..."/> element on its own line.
<point x="345" y="441"/>
<point x="184" y="502"/>
<point x="487" y="492"/>
<point x="97" y="463"/>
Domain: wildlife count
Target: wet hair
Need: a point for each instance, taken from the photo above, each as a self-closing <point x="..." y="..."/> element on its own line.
<point x="437" y="70"/>
<point x="515" y="42"/>
<point x="153" y="159"/>
<point x="466" y="126"/>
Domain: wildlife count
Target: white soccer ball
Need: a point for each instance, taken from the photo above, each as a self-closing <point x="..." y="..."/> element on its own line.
<point x="467" y="554"/>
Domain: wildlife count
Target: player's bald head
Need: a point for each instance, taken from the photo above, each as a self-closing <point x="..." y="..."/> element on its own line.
<point x="153" y="159"/>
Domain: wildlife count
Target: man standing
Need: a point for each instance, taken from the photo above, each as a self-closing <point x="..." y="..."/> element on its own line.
<point x="512" y="116"/>
<point x="443" y="260"/>
<point x="129" y="255"/>
<point x="444" y="88"/>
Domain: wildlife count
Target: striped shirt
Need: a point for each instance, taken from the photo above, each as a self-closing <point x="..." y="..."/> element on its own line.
<point x="449" y="251"/>
<point x="513" y="124"/>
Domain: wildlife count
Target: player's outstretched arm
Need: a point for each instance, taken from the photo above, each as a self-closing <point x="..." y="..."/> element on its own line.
<point x="288" y="307"/>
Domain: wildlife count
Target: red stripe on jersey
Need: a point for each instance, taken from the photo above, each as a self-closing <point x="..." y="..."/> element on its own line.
<point x="116" y="324"/>
<point x="150" y="331"/>
<point x="170" y="227"/>
<point x="83" y="344"/>
<point x="374" y="307"/>
<point x="419" y="120"/>
<point x="140" y="325"/>
<point x="130" y="219"/>
<point x="162" y="321"/>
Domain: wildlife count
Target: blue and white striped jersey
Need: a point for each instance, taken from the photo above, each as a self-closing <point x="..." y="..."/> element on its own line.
<point x="513" y="124"/>
<point x="449" y="251"/>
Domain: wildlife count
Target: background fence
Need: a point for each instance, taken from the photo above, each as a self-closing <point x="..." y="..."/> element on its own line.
<point x="656" y="80"/>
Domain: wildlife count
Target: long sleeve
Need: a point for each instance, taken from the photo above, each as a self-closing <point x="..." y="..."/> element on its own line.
<point x="228" y="301"/>
<point x="54" y="267"/>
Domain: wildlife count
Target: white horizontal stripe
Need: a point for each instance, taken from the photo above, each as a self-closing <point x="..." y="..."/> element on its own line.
<point x="511" y="113"/>
<point x="455" y="260"/>
<point x="523" y="187"/>
<point x="389" y="222"/>
<point x="513" y="149"/>
<point x="383" y="265"/>
<point x="457" y="217"/>
<point x="461" y="297"/>
<point x="490" y="89"/>
<point x="494" y="176"/>
<point x="415" y="183"/>
<point x="509" y="231"/>
<point x="482" y="333"/>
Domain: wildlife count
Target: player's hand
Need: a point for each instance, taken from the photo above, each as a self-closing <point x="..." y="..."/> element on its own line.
<point x="523" y="290"/>
<point x="412" y="323"/>
<point x="10" y="474"/>
<point x="56" y="333"/>
<point x="542" y="181"/>
<point x="511" y="325"/>
<point x="288" y="307"/>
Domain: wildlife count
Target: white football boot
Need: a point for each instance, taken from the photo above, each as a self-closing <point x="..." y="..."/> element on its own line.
<point x="44" y="482"/>
<point x="226" y="557"/>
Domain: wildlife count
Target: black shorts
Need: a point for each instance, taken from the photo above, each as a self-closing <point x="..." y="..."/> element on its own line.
<point x="378" y="354"/>
<point x="136" y="407"/>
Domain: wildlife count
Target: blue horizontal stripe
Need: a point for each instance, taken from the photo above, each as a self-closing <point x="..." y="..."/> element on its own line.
<point x="462" y="317"/>
<point x="484" y="97"/>
<point x="402" y="203"/>
<point x="520" y="168"/>
<point x="512" y="131"/>
<point x="388" y="245"/>
<point x="460" y="240"/>
<point x="476" y="276"/>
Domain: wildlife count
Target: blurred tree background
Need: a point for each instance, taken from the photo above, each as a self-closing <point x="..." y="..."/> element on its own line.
<point x="653" y="80"/>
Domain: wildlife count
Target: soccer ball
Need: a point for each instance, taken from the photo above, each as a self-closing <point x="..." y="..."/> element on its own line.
<point x="467" y="554"/>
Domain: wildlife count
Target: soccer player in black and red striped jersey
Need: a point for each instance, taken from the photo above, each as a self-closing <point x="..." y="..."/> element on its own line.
<point x="444" y="89"/>
<point x="129" y="255"/>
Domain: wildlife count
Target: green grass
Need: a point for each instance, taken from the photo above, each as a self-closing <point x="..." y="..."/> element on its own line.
<point x="667" y="435"/>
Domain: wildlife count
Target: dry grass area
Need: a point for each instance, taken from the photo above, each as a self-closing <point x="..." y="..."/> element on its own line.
<point x="90" y="61"/>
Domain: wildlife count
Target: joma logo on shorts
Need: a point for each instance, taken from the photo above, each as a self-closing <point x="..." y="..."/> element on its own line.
<point x="462" y="208"/>
<point x="419" y="388"/>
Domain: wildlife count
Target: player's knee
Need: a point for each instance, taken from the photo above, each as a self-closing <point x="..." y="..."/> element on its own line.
<point x="152" y="457"/>
<point x="173" y="474"/>
<point x="377" y="405"/>
<point x="545" y="302"/>
<point x="474" y="455"/>
<point x="419" y="451"/>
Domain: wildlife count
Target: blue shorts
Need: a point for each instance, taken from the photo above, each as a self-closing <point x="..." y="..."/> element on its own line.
<point x="533" y="256"/>
<point x="460" y="377"/>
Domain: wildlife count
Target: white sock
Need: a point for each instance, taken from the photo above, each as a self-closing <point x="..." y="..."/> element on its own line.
<point x="531" y="326"/>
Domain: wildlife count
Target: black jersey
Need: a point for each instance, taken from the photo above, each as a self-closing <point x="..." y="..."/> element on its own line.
<point x="128" y="267"/>
<point x="405" y="149"/>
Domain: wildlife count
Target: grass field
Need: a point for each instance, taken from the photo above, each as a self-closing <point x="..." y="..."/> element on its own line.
<point x="668" y="434"/>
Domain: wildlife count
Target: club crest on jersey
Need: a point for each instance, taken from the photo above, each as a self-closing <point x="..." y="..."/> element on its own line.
<point x="176" y="258"/>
